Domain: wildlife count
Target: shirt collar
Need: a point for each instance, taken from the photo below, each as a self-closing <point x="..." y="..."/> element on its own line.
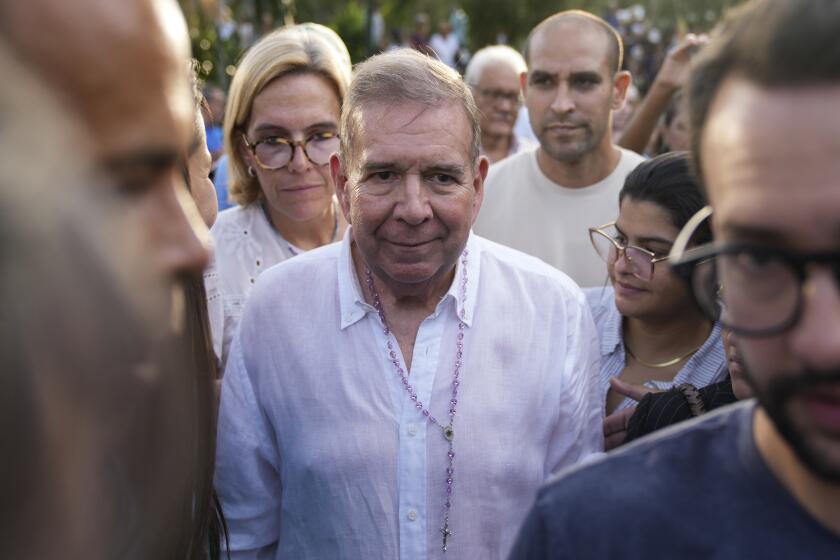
<point x="611" y="337"/>
<point x="352" y="302"/>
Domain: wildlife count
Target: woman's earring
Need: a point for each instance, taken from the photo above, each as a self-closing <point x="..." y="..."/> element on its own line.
<point x="251" y="171"/>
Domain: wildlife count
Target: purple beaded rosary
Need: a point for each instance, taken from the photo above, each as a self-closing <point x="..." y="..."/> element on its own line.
<point x="448" y="431"/>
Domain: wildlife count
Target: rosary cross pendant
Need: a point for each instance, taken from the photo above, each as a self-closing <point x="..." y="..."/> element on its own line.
<point x="446" y="534"/>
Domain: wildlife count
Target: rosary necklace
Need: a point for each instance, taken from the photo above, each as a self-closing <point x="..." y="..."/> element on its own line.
<point x="446" y="430"/>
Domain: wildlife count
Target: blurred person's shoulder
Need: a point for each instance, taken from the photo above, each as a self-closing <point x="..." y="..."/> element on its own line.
<point x="658" y="488"/>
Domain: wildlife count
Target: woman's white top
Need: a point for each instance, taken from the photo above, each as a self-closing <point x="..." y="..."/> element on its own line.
<point x="246" y="244"/>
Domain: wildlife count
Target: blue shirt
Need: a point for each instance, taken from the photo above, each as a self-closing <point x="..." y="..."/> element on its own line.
<point x="705" y="367"/>
<point x="697" y="490"/>
<point x="220" y="182"/>
<point x="215" y="138"/>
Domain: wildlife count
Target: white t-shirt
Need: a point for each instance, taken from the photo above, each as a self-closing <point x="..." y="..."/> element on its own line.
<point x="526" y="210"/>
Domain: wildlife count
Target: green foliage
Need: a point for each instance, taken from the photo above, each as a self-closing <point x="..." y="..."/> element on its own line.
<point x="351" y="25"/>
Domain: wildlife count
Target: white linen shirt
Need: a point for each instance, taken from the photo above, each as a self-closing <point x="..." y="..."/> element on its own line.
<point x="245" y="245"/>
<point x="705" y="367"/>
<point x="321" y="454"/>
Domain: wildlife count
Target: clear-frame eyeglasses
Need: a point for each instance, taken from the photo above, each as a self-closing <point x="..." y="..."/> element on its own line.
<point x="606" y="241"/>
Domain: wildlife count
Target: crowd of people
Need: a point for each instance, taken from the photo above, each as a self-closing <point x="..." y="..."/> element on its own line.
<point x="390" y="311"/>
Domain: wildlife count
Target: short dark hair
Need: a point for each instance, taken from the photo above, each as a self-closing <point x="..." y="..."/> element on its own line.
<point x="773" y="43"/>
<point x="668" y="182"/>
<point x="616" y="54"/>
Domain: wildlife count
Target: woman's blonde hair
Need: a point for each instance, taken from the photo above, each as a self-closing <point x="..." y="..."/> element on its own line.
<point x="296" y="49"/>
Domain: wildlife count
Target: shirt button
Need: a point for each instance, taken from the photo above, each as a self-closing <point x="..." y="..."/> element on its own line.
<point x="412" y="430"/>
<point x="412" y="515"/>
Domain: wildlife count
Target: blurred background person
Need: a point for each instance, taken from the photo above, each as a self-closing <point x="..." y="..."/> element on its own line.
<point x="445" y="44"/>
<point x="214" y="114"/>
<point x="622" y="117"/>
<point x="663" y="99"/>
<point x="672" y="134"/>
<point x="653" y="334"/>
<point x="493" y="75"/>
<point x="419" y="38"/>
<point x="198" y="161"/>
<point x="281" y="128"/>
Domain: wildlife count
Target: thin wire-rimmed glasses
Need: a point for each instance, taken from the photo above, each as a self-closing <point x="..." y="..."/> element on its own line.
<point x="498" y="95"/>
<point x="753" y="290"/>
<point x="276" y="152"/>
<point x="609" y="248"/>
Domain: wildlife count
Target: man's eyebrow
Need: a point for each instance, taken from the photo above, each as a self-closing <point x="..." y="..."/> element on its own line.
<point x="374" y="166"/>
<point x="585" y="75"/>
<point x="148" y="159"/>
<point x="754" y="234"/>
<point x="448" y="169"/>
<point x="542" y="74"/>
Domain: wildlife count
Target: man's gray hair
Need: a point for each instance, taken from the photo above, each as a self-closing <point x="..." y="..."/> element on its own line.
<point x="401" y="76"/>
<point x="490" y="56"/>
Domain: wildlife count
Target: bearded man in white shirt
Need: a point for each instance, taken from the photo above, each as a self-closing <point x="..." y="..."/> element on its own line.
<point x="544" y="201"/>
<point x="403" y="394"/>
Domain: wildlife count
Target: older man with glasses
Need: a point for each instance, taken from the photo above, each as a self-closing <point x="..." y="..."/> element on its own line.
<point x="493" y="75"/>
<point x="759" y="479"/>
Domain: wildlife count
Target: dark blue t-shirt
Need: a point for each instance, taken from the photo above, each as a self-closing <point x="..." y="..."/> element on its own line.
<point x="697" y="490"/>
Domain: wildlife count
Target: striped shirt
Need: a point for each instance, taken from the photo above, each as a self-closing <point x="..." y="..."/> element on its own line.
<point x="706" y="366"/>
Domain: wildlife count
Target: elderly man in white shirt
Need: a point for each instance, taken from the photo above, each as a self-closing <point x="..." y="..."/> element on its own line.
<point x="404" y="393"/>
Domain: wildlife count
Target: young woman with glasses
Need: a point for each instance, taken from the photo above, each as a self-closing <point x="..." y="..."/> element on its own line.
<point x="281" y="127"/>
<point x="653" y="334"/>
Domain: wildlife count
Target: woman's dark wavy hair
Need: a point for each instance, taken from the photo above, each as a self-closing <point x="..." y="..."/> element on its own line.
<point x="667" y="181"/>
